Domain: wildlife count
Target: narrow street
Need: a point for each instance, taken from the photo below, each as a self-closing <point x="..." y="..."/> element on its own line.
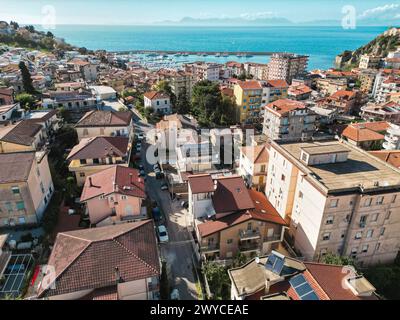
<point x="178" y="251"/>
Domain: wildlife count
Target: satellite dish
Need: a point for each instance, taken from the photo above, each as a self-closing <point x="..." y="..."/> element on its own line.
<point x="257" y="260"/>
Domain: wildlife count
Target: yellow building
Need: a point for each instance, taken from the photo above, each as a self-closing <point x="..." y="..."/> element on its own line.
<point x="248" y="96"/>
<point x="95" y="154"/>
<point x="21" y="137"/>
<point x="25" y="188"/>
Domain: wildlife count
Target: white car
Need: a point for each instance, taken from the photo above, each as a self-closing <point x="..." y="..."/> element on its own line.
<point x="140" y="136"/>
<point x="138" y="148"/>
<point x="163" y="234"/>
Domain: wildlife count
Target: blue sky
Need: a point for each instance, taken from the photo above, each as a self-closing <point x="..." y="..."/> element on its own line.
<point x="150" y="11"/>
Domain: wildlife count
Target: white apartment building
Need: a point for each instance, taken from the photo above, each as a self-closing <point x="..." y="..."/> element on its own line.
<point x="158" y="101"/>
<point x="369" y="62"/>
<point x="287" y="66"/>
<point x="384" y="86"/>
<point x="286" y="119"/>
<point x="392" y="137"/>
<point x="204" y="71"/>
<point x="338" y="199"/>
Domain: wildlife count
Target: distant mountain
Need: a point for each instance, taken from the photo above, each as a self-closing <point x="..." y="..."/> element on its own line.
<point x="238" y="21"/>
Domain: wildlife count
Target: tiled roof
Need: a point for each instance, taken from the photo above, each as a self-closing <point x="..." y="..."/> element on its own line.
<point x="263" y="209"/>
<point x="15" y="167"/>
<point x="209" y="227"/>
<point x="99" y="147"/>
<point x="279" y="83"/>
<point x="390" y="156"/>
<point x="156" y="95"/>
<point x="299" y="90"/>
<point x="201" y="183"/>
<point x="23" y="133"/>
<point x="86" y="259"/>
<point x="330" y="278"/>
<point x="378" y="126"/>
<point x="250" y="85"/>
<point x="283" y="106"/>
<point x="361" y="134"/>
<point x="231" y="195"/>
<point x="117" y="179"/>
<point x="256" y="154"/>
<point x="343" y="94"/>
<point x="97" y="118"/>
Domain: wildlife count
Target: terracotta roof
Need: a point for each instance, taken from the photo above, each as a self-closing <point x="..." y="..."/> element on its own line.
<point x="79" y="62"/>
<point x="117" y="179"/>
<point x="99" y="147"/>
<point x="330" y="278"/>
<point x="250" y="85"/>
<point x="23" y="133"/>
<point x="283" y="106"/>
<point x="15" y="167"/>
<point x="263" y="209"/>
<point x="97" y="118"/>
<point x="378" y="126"/>
<point x="361" y="134"/>
<point x="279" y="83"/>
<point x="299" y="90"/>
<point x="201" y="183"/>
<point x="231" y="195"/>
<point x="209" y="227"/>
<point x="390" y="156"/>
<point x="156" y="95"/>
<point x="227" y="92"/>
<point x="6" y="91"/>
<point x="256" y="154"/>
<point x="86" y="259"/>
<point x="343" y="94"/>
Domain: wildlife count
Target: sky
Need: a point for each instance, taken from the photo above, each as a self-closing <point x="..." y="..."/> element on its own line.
<point x="131" y="12"/>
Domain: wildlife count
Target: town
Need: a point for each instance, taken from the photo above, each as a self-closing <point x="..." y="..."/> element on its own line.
<point x="124" y="179"/>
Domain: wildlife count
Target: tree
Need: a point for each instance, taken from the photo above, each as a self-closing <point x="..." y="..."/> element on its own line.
<point x="218" y="279"/>
<point x="82" y="50"/>
<point x="26" y="100"/>
<point x="49" y="34"/>
<point x="335" y="259"/>
<point x="182" y="105"/>
<point x="164" y="284"/>
<point x="26" y="78"/>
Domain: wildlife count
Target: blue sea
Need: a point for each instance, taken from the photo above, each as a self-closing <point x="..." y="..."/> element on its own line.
<point x="322" y="44"/>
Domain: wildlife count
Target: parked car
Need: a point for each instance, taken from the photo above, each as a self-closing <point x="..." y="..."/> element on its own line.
<point x="162" y="233"/>
<point x="138" y="148"/>
<point x="156" y="167"/>
<point x="140" y="135"/>
<point x="184" y="204"/>
<point x="141" y="167"/>
<point x="164" y="187"/>
<point x="142" y="173"/>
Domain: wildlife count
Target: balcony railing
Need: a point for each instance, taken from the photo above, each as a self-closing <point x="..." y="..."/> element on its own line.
<point x="254" y="246"/>
<point x="249" y="234"/>
<point x="276" y="237"/>
<point x="209" y="248"/>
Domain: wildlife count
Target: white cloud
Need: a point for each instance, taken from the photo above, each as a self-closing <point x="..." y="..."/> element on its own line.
<point x="386" y="12"/>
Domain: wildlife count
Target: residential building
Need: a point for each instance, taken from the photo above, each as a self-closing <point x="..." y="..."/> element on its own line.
<point x="160" y="102"/>
<point x="248" y="96"/>
<point x="392" y="137"/>
<point x="203" y="70"/>
<point x="26" y="188"/>
<point x="366" y="135"/>
<point x="228" y="218"/>
<point x="114" y="195"/>
<point x="253" y="165"/>
<point x="10" y="112"/>
<point x="48" y="119"/>
<point x="118" y="262"/>
<point x="259" y="71"/>
<point x="339" y="199"/>
<point x="299" y="92"/>
<point x="181" y="82"/>
<point x="287" y="66"/>
<point x="6" y="96"/>
<point x="369" y="62"/>
<point x="386" y="111"/>
<point x="384" y="86"/>
<point x="343" y="101"/>
<point x="95" y="154"/>
<point x="87" y="70"/>
<point x="274" y="90"/>
<point x="103" y="93"/>
<point x="367" y="80"/>
<point x="70" y="86"/>
<point x="22" y="136"/>
<point x="105" y="123"/>
<point x="328" y="86"/>
<point x="70" y="100"/>
<point x="236" y="68"/>
<point x="279" y="277"/>
<point x="287" y="119"/>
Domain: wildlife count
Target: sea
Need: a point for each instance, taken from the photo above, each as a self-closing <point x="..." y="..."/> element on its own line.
<point x="322" y="44"/>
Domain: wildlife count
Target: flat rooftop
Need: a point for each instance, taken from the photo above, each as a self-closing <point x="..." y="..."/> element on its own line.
<point x="360" y="167"/>
<point x="330" y="148"/>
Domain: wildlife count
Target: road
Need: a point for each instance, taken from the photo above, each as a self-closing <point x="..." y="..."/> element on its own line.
<point x="178" y="251"/>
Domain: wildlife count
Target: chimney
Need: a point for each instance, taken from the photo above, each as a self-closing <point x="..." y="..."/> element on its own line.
<point x="267" y="286"/>
<point x="131" y="178"/>
<point x="90" y="182"/>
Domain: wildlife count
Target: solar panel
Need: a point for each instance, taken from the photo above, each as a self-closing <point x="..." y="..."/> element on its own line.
<point x="275" y="264"/>
<point x="303" y="288"/>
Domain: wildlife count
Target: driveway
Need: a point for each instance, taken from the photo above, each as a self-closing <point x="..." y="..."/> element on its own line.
<point x="178" y="251"/>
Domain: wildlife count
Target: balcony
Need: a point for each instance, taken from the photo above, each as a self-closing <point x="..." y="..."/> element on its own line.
<point x="274" y="238"/>
<point x="249" y="234"/>
<point x="209" y="248"/>
<point x="248" y="247"/>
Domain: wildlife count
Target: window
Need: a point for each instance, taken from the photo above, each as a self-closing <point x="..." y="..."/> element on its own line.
<point x="96" y="161"/>
<point x="300" y="195"/>
<point x="364" y="248"/>
<point x="358" y="235"/>
<point x="329" y="220"/>
<point x="8" y="206"/>
<point x="20" y="205"/>
<point x="379" y="200"/>
<point x="83" y="161"/>
<point x="354" y="250"/>
<point x="370" y="232"/>
<point x="394" y="198"/>
<point x="15" y="190"/>
<point x="326" y="236"/>
<point x="368" y="202"/>
<point x="229" y="241"/>
<point x="38" y="172"/>
<point x="387" y="217"/>
<point x="42" y="187"/>
<point x="377" y="246"/>
<point x="123" y="197"/>
<point x="21" y="220"/>
<point x="81" y="174"/>
<point x="363" y="221"/>
<point x="334" y="203"/>
<point x="382" y="231"/>
<point x="283" y="177"/>
<point x="374" y="217"/>
<point x="263" y="168"/>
